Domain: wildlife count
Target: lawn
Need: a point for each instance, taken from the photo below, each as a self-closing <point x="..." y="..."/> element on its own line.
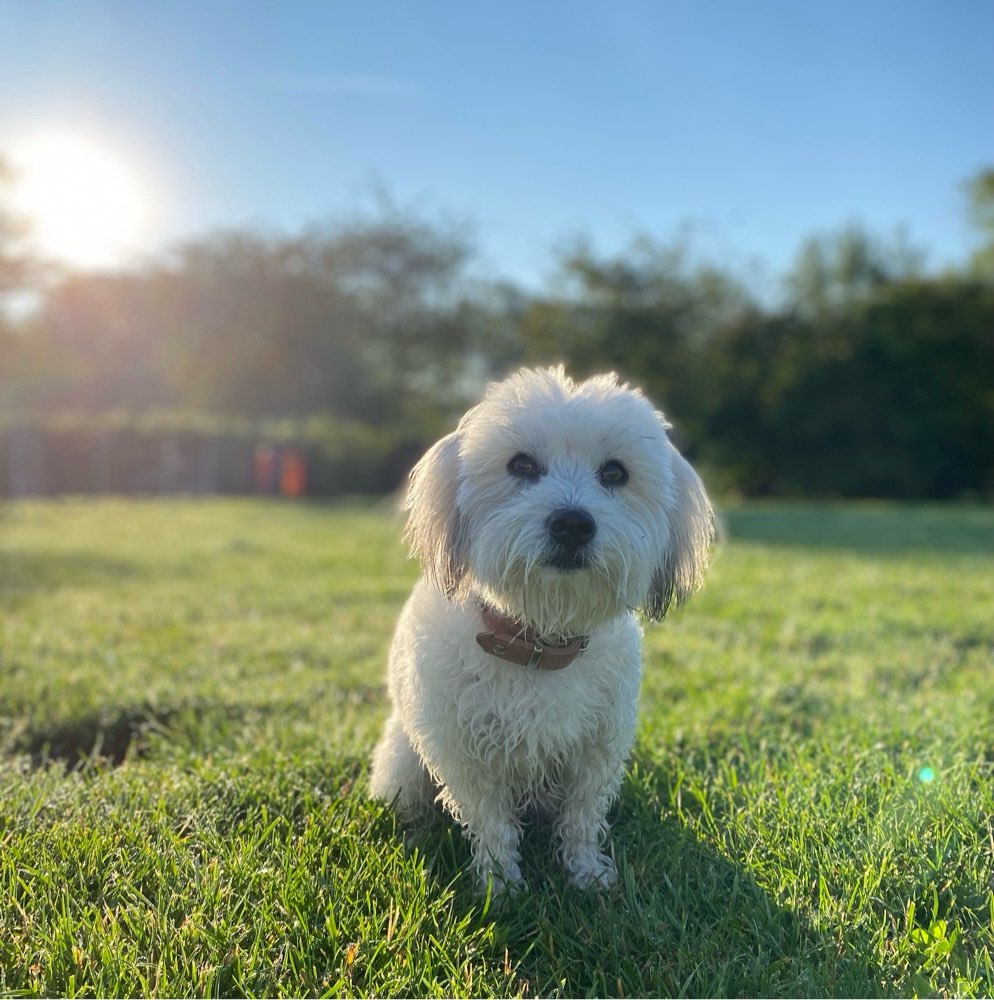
<point x="189" y="692"/>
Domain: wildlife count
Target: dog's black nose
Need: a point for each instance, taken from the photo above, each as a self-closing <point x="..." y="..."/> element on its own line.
<point x="572" y="527"/>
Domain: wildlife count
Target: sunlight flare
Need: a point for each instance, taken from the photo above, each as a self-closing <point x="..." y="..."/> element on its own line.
<point x="83" y="201"/>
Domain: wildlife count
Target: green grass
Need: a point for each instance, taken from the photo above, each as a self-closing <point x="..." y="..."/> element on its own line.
<point x="189" y="692"/>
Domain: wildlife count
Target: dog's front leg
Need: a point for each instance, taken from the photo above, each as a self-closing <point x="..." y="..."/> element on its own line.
<point x="487" y="812"/>
<point x="591" y="786"/>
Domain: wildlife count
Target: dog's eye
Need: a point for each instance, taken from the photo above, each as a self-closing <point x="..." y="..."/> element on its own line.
<point x="523" y="466"/>
<point x="613" y="474"/>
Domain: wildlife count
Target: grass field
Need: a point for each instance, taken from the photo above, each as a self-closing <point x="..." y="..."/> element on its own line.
<point x="189" y="692"/>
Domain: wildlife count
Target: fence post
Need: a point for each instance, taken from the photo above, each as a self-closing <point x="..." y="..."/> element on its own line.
<point x="207" y="463"/>
<point x="26" y="456"/>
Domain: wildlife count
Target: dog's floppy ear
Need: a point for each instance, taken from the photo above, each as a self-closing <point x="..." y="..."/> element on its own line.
<point x="435" y="528"/>
<point x="691" y="531"/>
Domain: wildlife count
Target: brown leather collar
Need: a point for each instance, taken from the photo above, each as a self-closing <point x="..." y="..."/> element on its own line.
<point x="512" y="640"/>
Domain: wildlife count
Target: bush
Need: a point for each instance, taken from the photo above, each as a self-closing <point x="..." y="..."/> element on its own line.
<point x="169" y="453"/>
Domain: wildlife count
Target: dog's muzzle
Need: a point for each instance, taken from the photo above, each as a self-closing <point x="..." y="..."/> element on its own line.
<point x="571" y="529"/>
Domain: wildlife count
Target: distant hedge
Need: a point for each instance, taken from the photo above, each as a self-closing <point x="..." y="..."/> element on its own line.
<point x="181" y="454"/>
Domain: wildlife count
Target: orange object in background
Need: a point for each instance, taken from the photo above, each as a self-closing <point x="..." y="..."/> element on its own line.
<point x="293" y="473"/>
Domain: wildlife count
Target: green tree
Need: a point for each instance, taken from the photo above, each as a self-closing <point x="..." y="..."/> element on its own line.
<point x="18" y="273"/>
<point x="836" y="271"/>
<point x="648" y="313"/>
<point x="364" y="320"/>
<point x="17" y="266"/>
<point x="906" y="409"/>
<point x="404" y="275"/>
<point x="980" y="210"/>
<point x="752" y="363"/>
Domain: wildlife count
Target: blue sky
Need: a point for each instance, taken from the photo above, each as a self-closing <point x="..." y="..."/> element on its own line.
<point x="755" y="122"/>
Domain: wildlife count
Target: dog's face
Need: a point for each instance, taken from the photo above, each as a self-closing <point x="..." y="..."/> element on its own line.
<point x="561" y="503"/>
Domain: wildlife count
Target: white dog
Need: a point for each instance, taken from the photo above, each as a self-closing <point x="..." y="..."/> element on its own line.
<point x="553" y="512"/>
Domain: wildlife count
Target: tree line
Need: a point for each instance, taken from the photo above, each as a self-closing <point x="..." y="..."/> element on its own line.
<point x="361" y="340"/>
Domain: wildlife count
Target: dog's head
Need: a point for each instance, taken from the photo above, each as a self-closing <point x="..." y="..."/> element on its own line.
<point x="561" y="503"/>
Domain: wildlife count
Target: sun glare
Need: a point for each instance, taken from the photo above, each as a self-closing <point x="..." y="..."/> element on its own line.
<point x="84" y="203"/>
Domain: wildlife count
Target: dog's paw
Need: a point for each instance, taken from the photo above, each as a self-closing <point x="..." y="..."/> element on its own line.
<point x="592" y="869"/>
<point x="501" y="880"/>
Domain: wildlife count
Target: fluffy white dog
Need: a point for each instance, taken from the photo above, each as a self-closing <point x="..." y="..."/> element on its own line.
<point x="553" y="512"/>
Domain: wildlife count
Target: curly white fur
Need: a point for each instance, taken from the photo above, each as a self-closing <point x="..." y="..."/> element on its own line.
<point x="486" y="737"/>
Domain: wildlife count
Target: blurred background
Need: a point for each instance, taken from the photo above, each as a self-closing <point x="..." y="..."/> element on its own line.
<point x="258" y="247"/>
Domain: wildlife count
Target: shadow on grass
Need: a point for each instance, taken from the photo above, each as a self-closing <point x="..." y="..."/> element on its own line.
<point x="110" y="738"/>
<point x="873" y="528"/>
<point x="681" y="921"/>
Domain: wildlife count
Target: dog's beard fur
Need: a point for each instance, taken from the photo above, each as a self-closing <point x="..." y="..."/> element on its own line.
<point x="517" y="569"/>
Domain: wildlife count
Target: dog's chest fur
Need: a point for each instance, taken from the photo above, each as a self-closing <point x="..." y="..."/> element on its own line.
<point x="522" y="722"/>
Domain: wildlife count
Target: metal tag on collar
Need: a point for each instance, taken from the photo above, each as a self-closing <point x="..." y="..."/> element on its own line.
<point x="535" y="660"/>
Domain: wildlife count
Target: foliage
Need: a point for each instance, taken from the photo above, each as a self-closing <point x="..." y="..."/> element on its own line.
<point x="980" y="207"/>
<point x="647" y="313"/>
<point x="360" y="322"/>
<point x="16" y="264"/>
<point x="873" y="382"/>
<point x="191" y="691"/>
<point x="835" y="272"/>
<point x="871" y="378"/>
<point x="168" y="452"/>
<point x="892" y="398"/>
